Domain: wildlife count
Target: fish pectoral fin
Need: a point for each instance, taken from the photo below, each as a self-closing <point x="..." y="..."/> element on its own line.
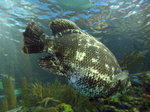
<point x="51" y="64"/>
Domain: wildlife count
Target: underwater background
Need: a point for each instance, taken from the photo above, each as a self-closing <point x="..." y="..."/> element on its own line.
<point x="122" y="25"/>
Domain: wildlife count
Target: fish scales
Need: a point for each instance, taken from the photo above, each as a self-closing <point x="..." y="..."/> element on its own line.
<point x="77" y="50"/>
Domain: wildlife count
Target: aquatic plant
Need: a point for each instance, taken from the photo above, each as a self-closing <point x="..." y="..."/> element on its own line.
<point x="65" y="107"/>
<point x="35" y="94"/>
<point x="48" y="100"/>
<point x="9" y="93"/>
<point x="1" y="85"/>
<point x="37" y="90"/>
<point x="24" y="88"/>
<point x="115" y="100"/>
<point x="45" y="97"/>
<point x="3" y="105"/>
<point x="46" y="92"/>
<point x="52" y="94"/>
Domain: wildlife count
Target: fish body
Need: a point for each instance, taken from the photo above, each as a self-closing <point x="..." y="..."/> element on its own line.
<point x="89" y="65"/>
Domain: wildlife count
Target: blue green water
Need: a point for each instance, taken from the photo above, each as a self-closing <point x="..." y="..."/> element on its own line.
<point x="122" y="25"/>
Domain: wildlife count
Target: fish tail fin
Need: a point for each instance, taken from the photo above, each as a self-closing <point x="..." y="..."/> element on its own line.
<point x="34" y="39"/>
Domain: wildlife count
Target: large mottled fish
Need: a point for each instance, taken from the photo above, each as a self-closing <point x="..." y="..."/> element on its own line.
<point x="89" y="65"/>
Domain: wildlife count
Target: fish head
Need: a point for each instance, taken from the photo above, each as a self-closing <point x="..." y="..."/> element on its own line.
<point x="124" y="84"/>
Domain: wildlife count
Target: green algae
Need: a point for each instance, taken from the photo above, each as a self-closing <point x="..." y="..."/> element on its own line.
<point x="45" y="97"/>
<point x="53" y="94"/>
<point x="24" y="88"/>
<point x="66" y="107"/>
<point x="3" y="105"/>
<point x="10" y="101"/>
<point x="115" y="100"/>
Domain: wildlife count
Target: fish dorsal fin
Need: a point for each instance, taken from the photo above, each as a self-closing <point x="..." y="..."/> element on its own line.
<point x="61" y="25"/>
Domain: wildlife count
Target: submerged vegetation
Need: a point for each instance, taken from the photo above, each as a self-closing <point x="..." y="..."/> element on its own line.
<point x="9" y="101"/>
<point x="57" y="97"/>
<point x="49" y="95"/>
<point x="25" y="97"/>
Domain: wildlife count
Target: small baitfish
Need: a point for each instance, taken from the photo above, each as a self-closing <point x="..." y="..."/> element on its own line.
<point x="89" y="65"/>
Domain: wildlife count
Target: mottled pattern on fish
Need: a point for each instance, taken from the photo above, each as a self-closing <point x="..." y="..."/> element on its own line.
<point x="88" y="64"/>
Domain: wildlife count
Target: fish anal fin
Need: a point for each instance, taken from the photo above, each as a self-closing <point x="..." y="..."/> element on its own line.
<point x="51" y="64"/>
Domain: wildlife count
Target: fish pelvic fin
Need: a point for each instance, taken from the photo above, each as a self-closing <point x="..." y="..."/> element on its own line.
<point x="34" y="39"/>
